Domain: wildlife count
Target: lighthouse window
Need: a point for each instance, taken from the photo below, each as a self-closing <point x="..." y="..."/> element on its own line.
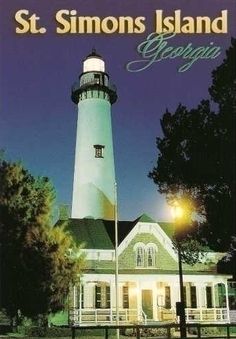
<point x="98" y="151"/>
<point x="97" y="78"/>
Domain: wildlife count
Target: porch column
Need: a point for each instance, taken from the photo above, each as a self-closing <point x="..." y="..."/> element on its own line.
<point x="173" y="298"/>
<point x="188" y="294"/>
<point x="176" y="295"/>
<point x="111" y="299"/>
<point x="80" y="302"/>
<point x="74" y="296"/>
<point x="227" y="299"/>
<point x="89" y="295"/>
<point x="154" y="300"/>
<point x="74" y="303"/>
<point x="214" y="296"/>
<point x="139" y="299"/>
<point x="214" y="300"/>
<point x="200" y="289"/>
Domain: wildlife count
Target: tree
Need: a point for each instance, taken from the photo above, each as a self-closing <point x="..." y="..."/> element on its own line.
<point x="36" y="268"/>
<point x="197" y="157"/>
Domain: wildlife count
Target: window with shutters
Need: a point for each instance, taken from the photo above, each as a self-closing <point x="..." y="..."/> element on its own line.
<point x="82" y="295"/>
<point x="102" y="296"/>
<point x="108" y="297"/>
<point x="167" y="297"/>
<point x="193" y="297"/>
<point x="98" y="296"/>
<point x="209" y="296"/>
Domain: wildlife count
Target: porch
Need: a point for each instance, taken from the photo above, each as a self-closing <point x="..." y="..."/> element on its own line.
<point x="149" y="300"/>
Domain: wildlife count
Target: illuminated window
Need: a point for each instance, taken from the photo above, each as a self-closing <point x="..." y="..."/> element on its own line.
<point x="167" y="297"/>
<point x="102" y="296"/>
<point x="98" y="151"/>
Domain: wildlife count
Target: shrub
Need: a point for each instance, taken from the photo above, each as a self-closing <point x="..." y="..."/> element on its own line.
<point x="213" y="331"/>
<point x="35" y="331"/>
<point x="148" y="332"/>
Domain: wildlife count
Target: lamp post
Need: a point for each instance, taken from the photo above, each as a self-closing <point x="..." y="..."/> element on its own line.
<point x="180" y="307"/>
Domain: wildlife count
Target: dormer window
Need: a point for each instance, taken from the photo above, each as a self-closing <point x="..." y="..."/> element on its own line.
<point x="99" y="151"/>
<point x="151" y="257"/>
<point x="145" y="255"/>
<point x="139" y="256"/>
<point x="151" y="250"/>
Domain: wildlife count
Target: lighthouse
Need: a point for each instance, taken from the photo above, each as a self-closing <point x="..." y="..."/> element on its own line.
<point x="94" y="170"/>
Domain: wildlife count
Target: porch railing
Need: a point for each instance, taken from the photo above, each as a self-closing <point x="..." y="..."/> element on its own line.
<point x="206" y="314"/>
<point x="105" y="315"/>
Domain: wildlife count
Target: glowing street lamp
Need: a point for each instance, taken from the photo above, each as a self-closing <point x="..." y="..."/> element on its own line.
<point x="178" y="213"/>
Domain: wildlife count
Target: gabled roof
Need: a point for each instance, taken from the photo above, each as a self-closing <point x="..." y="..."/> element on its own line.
<point x="100" y="234"/>
<point x="124" y="227"/>
<point x="144" y="218"/>
<point x="91" y="232"/>
<point x="168" y="228"/>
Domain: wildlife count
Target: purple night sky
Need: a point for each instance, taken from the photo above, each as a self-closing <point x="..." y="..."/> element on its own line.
<point x="38" y="118"/>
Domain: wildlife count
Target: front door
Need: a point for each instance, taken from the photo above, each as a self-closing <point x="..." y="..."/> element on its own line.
<point x="147" y="303"/>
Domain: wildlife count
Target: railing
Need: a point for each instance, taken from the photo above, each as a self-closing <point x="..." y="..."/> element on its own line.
<point x="104" y="315"/>
<point x="77" y="85"/>
<point x="164" y="314"/>
<point x="206" y="314"/>
<point x="143" y="317"/>
<point x="107" y="315"/>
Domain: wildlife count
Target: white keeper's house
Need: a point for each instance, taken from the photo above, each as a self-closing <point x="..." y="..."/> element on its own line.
<point x="148" y="265"/>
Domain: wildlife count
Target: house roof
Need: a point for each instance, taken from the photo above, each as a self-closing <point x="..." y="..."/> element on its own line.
<point x="144" y="218"/>
<point x="168" y="228"/>
<point x="100" y="234"/>
<point x="135" y="271"/>
<point x="92" y="233"/>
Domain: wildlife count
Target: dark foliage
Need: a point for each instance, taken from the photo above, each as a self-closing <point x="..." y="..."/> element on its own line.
<point x="35" y="271"/>
<point x="196" y="157"/>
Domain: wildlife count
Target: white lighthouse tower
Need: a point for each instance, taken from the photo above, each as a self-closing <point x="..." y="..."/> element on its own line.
<point x="94" y="173"/>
